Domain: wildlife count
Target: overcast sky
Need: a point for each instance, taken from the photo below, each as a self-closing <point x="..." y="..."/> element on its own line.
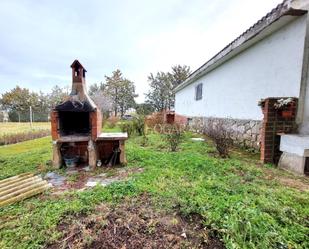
<point x="40" y="39"/>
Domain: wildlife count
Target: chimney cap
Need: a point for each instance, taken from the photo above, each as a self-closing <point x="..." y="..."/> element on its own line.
<point x="76" y="63"/>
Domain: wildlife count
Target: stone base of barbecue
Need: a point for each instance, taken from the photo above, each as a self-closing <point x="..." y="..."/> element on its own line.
<point x="109" y="149"/>
<point x="109" y="143"/>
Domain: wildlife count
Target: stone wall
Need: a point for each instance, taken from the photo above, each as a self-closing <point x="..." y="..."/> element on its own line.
<point x="246" y="133"/>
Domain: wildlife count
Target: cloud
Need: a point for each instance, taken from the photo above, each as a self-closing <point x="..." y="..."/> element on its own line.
<point x="40" y="39"/>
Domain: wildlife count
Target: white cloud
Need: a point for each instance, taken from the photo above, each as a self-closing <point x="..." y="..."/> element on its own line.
<point x="40" y="39"/>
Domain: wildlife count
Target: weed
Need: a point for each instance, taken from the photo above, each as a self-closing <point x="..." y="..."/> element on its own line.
<point x="173" y="134"/>
<point x="73" y="177"/>
<point x="112" y="121"/>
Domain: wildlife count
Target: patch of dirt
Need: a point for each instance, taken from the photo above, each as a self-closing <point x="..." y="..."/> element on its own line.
<point x="79" y="179"/>
<point x="293" y="183"/>
<point x="78" y="183"/>
<point x="134" y="224"/>
<point x="287" y="179"/>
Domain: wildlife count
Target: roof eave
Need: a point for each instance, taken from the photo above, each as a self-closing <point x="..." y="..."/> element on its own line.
<point x="238" y="44"/>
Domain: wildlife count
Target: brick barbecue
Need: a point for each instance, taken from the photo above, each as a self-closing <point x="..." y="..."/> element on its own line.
<point x="76" y="129"/>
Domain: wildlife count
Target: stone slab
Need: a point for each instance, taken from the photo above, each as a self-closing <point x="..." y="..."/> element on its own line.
<point x="73" y="138"/>
<point x="113" y="136"/>
<point x="103" y="182"/>
<point x="55" y="179"/>
<point x="293" y="163"/>
<point x="197" y="139"/>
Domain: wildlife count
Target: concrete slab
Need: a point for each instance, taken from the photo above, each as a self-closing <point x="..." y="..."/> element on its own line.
<point x="103" y="182"/>
<point x="295" y="144"/>
<point x="113" y="136"/>
<point x="293" y="163"/>
<point x="197" y="139"/>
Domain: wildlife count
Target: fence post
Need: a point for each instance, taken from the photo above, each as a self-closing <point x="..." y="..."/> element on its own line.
<point x="30" y="117"/>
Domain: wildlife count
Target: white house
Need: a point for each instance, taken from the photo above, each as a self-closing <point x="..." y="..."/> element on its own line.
<point x="270" y="59"/>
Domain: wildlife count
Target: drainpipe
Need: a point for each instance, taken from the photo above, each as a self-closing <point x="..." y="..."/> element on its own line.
<point x="302" y="118"/>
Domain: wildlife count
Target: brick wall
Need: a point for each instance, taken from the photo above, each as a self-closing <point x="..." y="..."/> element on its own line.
<point x="275" y="121"/>
<point x="105" y="149"/>
<point x="179" y="119"/>
<point x="75" y="149"/>
<point x="165" y="117"/>
<point x="54" y="125"/>
<point x="96" y="124"/>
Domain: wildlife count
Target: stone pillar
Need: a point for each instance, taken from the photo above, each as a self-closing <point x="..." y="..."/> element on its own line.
<point x="57" y="158"/>
<point x="122" y="159"/>
<point x="92" y="154"/>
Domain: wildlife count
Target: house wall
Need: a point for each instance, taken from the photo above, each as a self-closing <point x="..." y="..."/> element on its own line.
<point x="270" y="68"/>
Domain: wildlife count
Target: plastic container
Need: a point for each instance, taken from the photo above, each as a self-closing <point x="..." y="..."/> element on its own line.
<point x="70" y="162"/>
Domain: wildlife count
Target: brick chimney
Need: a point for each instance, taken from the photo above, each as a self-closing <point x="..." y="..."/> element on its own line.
<point x="76" y="122"/>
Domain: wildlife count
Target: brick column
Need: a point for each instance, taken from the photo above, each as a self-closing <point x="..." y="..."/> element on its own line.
<point x="96" y="124"/>
<point x="54" y="125"/>
<point x="275" y="121"/>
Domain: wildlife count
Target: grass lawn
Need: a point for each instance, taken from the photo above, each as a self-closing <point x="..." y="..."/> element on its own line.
<point x="28" y="156"/>
<point x="15" y="127"/>
<point x="244" y="203"/>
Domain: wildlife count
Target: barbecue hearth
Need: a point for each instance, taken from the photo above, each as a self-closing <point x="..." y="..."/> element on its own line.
<point x="76" y="128"/>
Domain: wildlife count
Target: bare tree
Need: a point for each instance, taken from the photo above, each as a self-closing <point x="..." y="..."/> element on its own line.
<point x="220" y="134"/>
<point x="102" y="100"/>
<point x="161" y="95"/>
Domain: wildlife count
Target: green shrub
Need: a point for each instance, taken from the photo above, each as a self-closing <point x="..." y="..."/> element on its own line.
<point x="127" y="127"/>
<point x="139" y="125"/>
<point x="145" y="140"/>
<point x="112" y="121"/>
<point x="173" y="134"/>
<point x="136" y="126"/>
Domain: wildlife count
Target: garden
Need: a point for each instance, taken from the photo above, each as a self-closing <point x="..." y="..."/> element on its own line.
<point x="178" y="192"/>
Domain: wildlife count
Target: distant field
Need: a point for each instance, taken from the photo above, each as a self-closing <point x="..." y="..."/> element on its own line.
<point x="11" y="133"/>
<point x="15" y="127"/>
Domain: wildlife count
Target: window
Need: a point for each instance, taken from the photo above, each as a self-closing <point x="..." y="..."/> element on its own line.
<point x="199" y="91"/>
